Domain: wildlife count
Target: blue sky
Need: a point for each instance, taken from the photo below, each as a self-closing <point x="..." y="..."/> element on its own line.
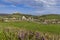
<point x="35" y="7"/>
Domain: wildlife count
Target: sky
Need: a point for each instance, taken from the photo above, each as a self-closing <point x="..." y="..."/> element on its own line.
<point x="34" y="7"/>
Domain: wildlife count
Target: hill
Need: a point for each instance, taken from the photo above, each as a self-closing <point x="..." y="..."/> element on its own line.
<point x="43" y="18"/>
<point x="50" y="16"/>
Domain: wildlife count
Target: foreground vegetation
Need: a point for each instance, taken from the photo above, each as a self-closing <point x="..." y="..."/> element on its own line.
<point x="29" y="31"/>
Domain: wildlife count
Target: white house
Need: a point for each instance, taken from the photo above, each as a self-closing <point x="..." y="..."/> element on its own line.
<point x="24" y="18"/>
<point x="6" y="19"/>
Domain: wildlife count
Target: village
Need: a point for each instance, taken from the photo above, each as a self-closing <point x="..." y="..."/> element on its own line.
<point x="24" y="18"/>
<point x="14" y="19"/>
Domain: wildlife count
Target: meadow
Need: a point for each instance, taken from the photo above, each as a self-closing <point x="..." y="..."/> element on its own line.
<point x="10" y="30"/>
<point x="53" y="28"/>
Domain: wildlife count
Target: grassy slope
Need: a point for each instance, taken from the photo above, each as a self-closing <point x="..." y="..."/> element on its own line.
<point x="53" y="28"/>
<point x="50" y="16"/>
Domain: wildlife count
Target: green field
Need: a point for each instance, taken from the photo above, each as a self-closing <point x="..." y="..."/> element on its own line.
<point x="11" y="27"/>
<point x="53" y="28"/>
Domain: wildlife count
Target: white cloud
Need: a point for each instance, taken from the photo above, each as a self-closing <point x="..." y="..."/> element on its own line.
<point x="48" y="3"/>
<point x="12" y="0"/>
<point x="2" y="5"/>
<point x="12" y="5"/>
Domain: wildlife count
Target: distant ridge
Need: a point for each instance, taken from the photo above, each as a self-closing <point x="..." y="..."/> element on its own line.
<point x="48" y="16"/>
<point x="4" y="14"/>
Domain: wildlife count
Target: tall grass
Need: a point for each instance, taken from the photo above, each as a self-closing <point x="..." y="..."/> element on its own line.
<point x="9" y="33"/>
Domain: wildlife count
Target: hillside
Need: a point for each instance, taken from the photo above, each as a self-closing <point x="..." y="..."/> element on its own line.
<point x="50" y="16"/>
